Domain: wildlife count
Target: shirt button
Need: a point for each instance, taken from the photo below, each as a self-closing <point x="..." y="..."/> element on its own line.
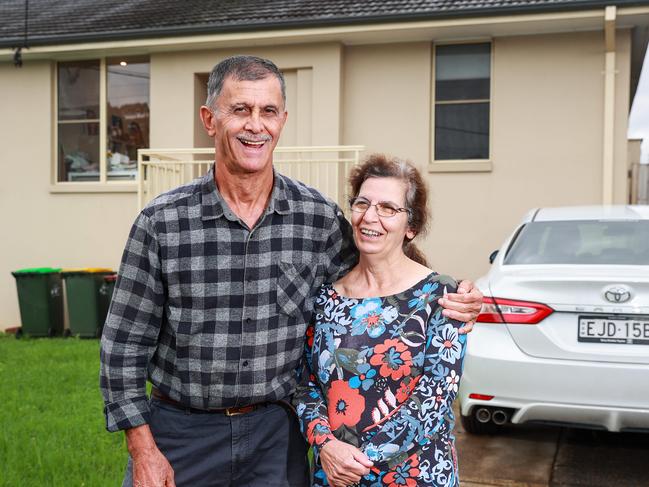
<point x="245" y="363"/>
<point x="248" y="320"/>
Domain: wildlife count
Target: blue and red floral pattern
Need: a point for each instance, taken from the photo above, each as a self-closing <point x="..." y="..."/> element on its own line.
<point x="382" y="374"/>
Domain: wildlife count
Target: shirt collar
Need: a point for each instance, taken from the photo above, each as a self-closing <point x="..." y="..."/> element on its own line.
<point x="213" y="206"/>
<point x="211" y="201"/>
<point x="279" y="200"/>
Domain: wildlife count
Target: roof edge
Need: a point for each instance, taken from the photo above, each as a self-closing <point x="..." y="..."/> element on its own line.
<point x="167" y="32"/>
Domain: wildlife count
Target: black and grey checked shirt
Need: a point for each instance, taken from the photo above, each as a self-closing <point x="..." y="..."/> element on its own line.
<point x="211" y="312"/>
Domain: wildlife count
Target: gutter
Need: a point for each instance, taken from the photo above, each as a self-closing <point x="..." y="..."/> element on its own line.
<point x="425" y="29"/>
<point x="608" y="148"/>
<point x="133" y="34"/>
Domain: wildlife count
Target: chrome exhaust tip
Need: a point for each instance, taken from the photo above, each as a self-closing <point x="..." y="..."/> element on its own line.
<point x="499" y="417"/>
<point x="483" y="415"/>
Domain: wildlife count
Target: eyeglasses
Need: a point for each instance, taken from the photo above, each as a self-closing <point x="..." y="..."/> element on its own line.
<point x="385" y="210"/>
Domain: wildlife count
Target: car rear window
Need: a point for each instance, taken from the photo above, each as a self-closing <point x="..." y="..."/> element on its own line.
<point x="581" y="242"/>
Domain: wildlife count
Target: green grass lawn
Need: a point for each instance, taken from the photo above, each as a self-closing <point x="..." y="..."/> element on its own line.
<point x="51" y="421"/>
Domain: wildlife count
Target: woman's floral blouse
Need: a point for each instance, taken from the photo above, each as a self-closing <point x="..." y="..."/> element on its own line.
<point x="382" y="375"/>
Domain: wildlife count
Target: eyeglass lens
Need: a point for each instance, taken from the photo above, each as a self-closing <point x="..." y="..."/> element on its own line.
<point x="382" y="209"/>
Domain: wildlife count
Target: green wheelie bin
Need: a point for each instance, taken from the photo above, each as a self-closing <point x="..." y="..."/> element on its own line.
<point x="40" y="298"/>
<point x="106" y="294"/>
<point x="83" y="298"/>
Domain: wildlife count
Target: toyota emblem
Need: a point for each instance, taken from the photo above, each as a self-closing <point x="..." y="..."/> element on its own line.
<point x="617" y="293"/>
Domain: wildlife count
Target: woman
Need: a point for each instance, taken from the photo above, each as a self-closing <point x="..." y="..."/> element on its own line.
<point x="384" y="364"/>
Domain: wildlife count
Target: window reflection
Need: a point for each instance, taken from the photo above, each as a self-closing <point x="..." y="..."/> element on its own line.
<point x="127" y="91"/>
<point x="581" y="243"/>
<point x="462" y="72"/>
<point x="79" y="152"/>
<point x="462" y="92"/>
<point x="78" y="121"/>
<point x="78" y="84"/>
<point x="462" y="131"/>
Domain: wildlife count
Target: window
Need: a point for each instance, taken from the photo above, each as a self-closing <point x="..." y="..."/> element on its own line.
<point x="462" y="101"/>
<point x="581" y="242"/>
<point x="78" y="120"/>
<point x="101" y="103"/>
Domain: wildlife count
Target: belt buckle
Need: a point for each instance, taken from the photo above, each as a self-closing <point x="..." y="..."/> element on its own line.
<point x="233" y="411"/>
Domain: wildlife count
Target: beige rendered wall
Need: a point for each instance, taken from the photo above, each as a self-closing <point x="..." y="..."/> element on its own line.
<point x="89" y="229"/>
<point x="41" y="228"/>
<point x="547" y="108"/>
<point x="546" y="142"/>
<point x="312" y="69"/>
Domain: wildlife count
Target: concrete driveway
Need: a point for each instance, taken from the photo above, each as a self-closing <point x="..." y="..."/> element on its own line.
<point x="543" y="456"/>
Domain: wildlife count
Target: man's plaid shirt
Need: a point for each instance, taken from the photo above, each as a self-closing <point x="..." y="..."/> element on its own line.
<point x="210" y="312"/>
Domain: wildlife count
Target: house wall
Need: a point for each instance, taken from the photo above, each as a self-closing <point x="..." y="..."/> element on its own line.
<point x="41" y="228"/>
<point x="311" y="69"/>
<point x="639" y="183"/>
<point x="547" y="109"/>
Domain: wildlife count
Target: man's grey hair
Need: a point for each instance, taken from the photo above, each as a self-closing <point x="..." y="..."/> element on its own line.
<point x="241" y="68"/>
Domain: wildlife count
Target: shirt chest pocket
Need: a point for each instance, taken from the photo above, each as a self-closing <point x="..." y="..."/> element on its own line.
<point x="295" y="284"/>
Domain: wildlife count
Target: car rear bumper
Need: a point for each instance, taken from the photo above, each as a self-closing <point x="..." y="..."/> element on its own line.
<point x="614" y="396"/>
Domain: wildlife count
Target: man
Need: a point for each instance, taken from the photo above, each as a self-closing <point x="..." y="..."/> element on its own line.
<point x="212" y="302"/>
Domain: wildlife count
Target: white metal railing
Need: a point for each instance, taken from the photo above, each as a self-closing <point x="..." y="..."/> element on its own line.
<point x="324" y="168"/>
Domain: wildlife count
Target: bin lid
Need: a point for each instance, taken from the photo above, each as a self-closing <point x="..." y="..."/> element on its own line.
<point x="86" y="270"/>
<point x="100" y="270"/>
<point x="36" y="271"/>
<point x="110" y="278"/>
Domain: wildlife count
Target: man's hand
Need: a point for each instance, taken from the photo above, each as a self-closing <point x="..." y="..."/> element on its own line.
<point x="150" y="467"/>
<point x="464" y="305"/>
<point x="343" y="463"/>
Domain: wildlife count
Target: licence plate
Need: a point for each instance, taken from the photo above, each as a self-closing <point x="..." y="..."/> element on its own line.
<point x="629" y="330"/>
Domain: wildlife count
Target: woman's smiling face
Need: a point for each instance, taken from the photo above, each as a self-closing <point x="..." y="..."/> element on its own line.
<point x="376" y="235"/>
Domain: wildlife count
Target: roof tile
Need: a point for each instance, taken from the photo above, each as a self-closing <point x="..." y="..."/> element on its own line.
<point x="59" y="21"/>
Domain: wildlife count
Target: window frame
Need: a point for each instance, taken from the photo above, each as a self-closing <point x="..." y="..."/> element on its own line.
<point x="104" y="185"/>
<point x="461" y="165"/>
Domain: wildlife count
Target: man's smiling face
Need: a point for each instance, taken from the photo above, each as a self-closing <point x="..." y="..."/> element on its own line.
<point x="246" y="124"/>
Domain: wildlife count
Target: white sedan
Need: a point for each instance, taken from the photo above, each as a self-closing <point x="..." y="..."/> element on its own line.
<point x="563" y="335"/>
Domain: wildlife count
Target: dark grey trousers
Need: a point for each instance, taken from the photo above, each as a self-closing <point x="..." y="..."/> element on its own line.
<point x="260" y="448"/>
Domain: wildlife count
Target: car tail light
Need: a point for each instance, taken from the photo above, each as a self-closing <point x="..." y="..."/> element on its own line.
<point x="499" y="310"/>
<point x="481" y="397"/>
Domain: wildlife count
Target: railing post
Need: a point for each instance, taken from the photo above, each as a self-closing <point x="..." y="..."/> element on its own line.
<point x="140" y="179"/>
<point x="342" y="180"/>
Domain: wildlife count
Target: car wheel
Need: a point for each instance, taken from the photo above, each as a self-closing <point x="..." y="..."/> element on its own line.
<point x="472" y="426"/>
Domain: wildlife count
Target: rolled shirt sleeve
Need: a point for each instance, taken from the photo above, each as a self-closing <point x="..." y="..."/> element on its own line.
<point x="132" y="326"/>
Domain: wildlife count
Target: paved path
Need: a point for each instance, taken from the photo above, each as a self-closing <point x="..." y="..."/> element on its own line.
<point x="539" y="456"/>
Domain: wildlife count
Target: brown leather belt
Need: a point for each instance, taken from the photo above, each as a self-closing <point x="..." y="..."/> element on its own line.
<point x="156" y="394"/>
